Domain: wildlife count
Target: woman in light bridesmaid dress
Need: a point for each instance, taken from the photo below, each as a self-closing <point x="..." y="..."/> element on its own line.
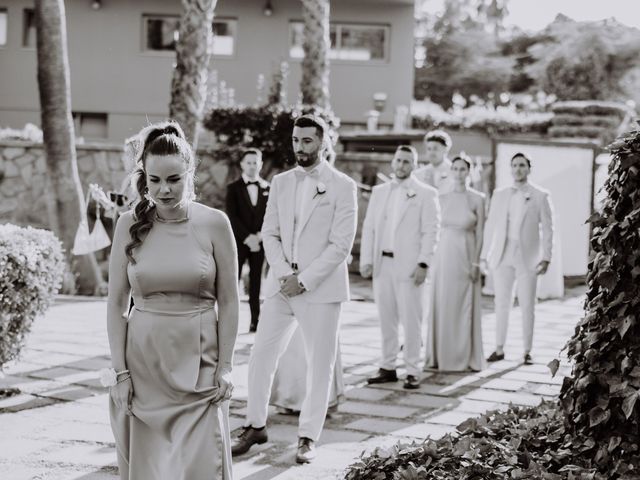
<point x="454" y="335"/>
<point x="169" y="413"/>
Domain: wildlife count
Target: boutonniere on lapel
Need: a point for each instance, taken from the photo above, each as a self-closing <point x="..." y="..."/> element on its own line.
<point x="321" y="188"/>
<point x="410" y="194"/>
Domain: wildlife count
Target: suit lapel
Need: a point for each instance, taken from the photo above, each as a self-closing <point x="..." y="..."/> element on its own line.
<point x="286" y="205"/>
<point x="315" y="196"/>
<point x="404" y="199"/>
<point x="382" y="206"/>
<point x="245" y="194"/>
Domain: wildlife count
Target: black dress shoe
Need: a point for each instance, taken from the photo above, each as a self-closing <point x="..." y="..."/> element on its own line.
<point x="495" y="357"/>
<point x="306" y="450"/>
<point x="253" y="327"/>
<point x="249" y="436"/>
<point x="411" y="383"/>
<point x="527" y="359"/>
<point x="383" y="376"/>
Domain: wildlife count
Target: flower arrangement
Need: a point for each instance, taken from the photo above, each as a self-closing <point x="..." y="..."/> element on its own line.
<point x="32" y="266"/>
<point x="321" y="188"/>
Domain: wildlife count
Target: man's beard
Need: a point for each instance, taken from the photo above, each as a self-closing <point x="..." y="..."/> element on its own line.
<point x="306" y="160"/>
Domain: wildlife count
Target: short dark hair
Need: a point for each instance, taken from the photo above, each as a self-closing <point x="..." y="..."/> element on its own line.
<point x="439" y="136"/>
<point x="251" y="151"/>
<point x="520" y="154"/>
<point x="464" y="157"/>
<point x="409" y="149"/>
<point x="310" y="120"/>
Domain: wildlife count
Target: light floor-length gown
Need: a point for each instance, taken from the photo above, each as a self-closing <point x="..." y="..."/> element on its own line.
<point x="454" y="335"/>
<point x="175" y="432"/>
<point x="289" y="383"/>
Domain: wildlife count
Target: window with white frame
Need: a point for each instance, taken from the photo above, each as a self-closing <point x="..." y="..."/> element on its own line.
<point x="349" y="41"/>
<point x="90" y="125"/>
<point x="29" y="28"/>
<point x="3" y="26"/>
<point x="160" y="33"/>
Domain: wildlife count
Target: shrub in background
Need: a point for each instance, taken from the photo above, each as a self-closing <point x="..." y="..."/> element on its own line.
<point x="31" y="266"/>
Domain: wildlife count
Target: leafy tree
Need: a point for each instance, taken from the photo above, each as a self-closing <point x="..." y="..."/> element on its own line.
<point x="601" y="399"/>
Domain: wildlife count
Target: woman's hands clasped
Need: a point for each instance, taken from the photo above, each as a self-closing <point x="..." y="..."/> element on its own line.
<point x="122" y="394"/>
<point x="223" y="381"/>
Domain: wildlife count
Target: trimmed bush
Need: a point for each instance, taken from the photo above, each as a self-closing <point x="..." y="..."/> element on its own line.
<point x="32" y="266"/>
<point x="577" y="131"/>
<point x="574" y="119"/>
<point x="592" y="107"/>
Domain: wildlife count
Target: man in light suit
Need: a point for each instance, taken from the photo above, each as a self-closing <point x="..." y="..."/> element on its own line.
<point x="308" y="232"/>
<point x="518" y="242"/>
<point x="437" y="172"/>
<point x="399" y="236"/>
<point x="245" y="206"/>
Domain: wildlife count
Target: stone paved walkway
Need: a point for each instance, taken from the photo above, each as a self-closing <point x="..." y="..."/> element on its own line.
<point x="58" y="428"/>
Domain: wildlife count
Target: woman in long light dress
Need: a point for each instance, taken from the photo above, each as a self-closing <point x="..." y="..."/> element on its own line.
<point x="173" y="355"/>
<point x="454" y="335"/>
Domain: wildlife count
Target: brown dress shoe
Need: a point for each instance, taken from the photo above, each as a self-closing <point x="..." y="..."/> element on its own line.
<point x="383" y="376"/>
<point x="249" y="436"/>
<point x="306" y="450"/>
<point x="411" y="382"/>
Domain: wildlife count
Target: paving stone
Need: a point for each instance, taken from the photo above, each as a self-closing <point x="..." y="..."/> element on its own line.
<point x="534" y="377"/>
<point x="501" y="384"/>
<point x="14" y="448"/>
<point x="504" y="397"/>
<point x="421" y="431"/>
<point x="377" y="425"/>
<point x="451" y="418"/>
<point x="377" y="409"/>
<point x="427" y="401"/>
<point x="96" y="455"/>
<point x="367" y="394"/>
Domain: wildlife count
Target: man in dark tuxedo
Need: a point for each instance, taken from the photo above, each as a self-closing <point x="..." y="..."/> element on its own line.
<point x="246" y="203"/>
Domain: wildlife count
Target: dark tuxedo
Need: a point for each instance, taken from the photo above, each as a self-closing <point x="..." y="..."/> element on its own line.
<point x="247" y="219"/>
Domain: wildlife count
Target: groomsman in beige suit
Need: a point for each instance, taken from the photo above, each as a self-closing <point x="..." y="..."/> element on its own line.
<point x="399" y="236"/>
<point x="518" y="242"/>
<point x="308" y="231"/>
<point x="437" y="172"/>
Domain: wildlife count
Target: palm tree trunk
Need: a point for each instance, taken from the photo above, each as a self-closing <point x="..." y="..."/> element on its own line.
<point x="66" y="205"/>
<point x="193" y="54"/>
<point x="315" y="65"/>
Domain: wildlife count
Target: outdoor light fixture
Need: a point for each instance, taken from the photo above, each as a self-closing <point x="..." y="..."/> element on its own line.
<point x="268" y="9"/>
<point x="96" y="4"/>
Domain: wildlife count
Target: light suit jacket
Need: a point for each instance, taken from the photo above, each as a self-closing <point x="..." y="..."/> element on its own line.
<point x="325" y="241"/>
<point x="417" y="228"/>
<point x="536" y="229"/>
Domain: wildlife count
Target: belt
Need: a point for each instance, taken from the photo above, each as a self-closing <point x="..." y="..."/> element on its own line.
<point x="387" y="254"/>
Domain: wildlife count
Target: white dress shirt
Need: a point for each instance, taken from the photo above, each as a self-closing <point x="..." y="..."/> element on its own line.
<point x="251" y="189"/>
<point x="304" y="195"/>
<point x="392" y="212"/>
<point x="514" y="216"/>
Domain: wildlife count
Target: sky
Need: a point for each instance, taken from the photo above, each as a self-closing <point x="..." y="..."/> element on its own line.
<point x="536" y="14"/>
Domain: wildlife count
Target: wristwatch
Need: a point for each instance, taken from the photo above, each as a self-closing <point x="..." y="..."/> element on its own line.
<point x="423" y="265"/>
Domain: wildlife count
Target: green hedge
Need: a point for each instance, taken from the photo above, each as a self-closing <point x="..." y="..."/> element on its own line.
<point x="32" y="266"/>
<point x="267" y="127"/>
<point x="575" y="119"/>
<point x="592" y="107"/>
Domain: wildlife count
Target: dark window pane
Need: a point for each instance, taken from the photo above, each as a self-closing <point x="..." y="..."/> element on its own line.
<point x="3" y="26"/>
<point x="224" y="37"/>
<point x="161" y="33"/>
<point x="362" y="43"/>
<point x="28" y="28"/>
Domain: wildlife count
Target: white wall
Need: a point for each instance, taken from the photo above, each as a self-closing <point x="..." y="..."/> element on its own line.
<point x="567" y="172"/>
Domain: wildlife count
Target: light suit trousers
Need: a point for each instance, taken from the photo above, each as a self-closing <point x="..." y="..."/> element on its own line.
<point x="513" y="270"/>
<point x="319" y="325"/>
<point x="399" y="301"/>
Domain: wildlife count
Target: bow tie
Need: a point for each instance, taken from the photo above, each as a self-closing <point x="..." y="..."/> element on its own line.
<point x="256" y="183"/>
<point x="302" y="174"/>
